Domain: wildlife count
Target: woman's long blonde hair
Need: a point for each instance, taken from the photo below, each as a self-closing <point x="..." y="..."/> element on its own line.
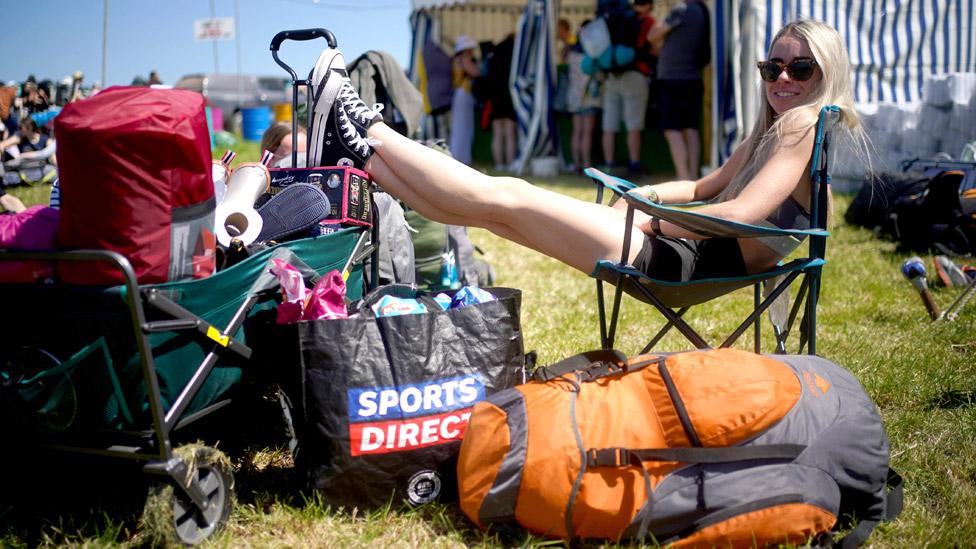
<point x="833" y="88"/>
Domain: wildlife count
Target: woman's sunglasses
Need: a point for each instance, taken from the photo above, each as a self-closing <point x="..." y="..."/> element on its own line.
<point x="800" y="69"/>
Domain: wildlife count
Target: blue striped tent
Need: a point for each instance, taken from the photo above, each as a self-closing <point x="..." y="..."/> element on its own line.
<point x="893" y="44"/>
<point x="533" y="81"/>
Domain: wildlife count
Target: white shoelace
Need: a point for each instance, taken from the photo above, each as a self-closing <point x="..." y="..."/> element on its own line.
<point x="349" y="98"/>
<point x="349" y="131"/>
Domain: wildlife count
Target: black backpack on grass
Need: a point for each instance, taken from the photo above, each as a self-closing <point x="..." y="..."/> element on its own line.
<point x="921" y="213"/>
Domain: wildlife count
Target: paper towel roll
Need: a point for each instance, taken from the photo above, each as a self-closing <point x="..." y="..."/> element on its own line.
<point x="236" y="216"/>
<point x="220" y="176"/>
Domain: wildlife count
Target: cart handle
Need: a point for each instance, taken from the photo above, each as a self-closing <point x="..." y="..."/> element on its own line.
<point x="298" y="35"/>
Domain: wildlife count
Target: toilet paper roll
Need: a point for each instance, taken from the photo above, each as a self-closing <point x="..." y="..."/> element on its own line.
<point x="236" y="216"/>
<point x="220" y="176"/>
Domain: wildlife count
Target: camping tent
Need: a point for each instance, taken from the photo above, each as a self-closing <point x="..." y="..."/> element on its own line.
<point x="533" y="82"/>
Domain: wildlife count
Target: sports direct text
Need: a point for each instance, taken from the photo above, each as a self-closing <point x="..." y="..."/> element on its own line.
<point x="407" y="417"/>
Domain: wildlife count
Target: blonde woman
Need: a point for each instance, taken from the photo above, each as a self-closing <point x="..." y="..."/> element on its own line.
<point x="766" y="180"/>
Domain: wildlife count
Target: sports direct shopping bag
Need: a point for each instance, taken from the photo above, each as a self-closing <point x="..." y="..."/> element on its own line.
<point x="380" y="404"/>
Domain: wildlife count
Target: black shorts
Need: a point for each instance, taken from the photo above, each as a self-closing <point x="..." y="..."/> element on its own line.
<point x="680" y="103"/>
<point x="679" y="260"/>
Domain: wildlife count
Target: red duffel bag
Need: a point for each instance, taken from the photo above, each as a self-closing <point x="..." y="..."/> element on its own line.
<point x="135" y="171"/>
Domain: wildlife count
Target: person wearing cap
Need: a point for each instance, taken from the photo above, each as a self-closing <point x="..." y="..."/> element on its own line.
<point x="465" y="69"/>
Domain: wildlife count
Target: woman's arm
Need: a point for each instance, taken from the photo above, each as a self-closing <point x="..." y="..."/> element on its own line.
<point x="771" y="185"/>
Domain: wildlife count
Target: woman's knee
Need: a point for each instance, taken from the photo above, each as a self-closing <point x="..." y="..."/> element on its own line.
<point x="508" y="193"/>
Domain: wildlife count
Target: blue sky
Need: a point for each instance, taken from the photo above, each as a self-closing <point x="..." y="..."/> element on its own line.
<point x="54" y="38"/>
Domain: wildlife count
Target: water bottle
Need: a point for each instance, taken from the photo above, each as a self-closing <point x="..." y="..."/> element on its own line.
<point x="449" y="274"/>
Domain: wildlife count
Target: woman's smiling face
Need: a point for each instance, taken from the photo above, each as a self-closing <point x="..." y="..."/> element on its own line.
<point x="785" y="93"/>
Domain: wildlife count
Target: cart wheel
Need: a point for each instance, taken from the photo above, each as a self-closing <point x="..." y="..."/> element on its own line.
<point x="170" y="516"/>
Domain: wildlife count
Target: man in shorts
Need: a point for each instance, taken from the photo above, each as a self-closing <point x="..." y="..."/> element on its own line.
<point x="686" y="51"/>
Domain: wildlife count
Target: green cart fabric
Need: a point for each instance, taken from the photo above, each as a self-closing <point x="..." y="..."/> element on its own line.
<point x="91" y="329"/>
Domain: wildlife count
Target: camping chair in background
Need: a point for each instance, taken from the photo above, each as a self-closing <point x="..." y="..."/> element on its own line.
<point x="673" y="299"/>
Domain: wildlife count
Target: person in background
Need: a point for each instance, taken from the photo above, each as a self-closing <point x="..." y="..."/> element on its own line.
<point x="464" y="70"/>
<point x="624" y="96"/>
<point x="583" y="100"/>
<point x="154" y="79"/>
<point x="566" y="37"/>
<point x="502" y="111"/>
<point x="76" y="92"/>
<point x="686" y="50"/>
<point x="29" y="142"/>
<point x="279" y="140"/>
<point x="646" y="52"/>
<point x="35" y="98"/>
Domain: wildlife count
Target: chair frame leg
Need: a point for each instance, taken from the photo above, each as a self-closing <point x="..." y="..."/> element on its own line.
<point x="601" y="310"/>
<point x="757" y="336"/>
<point x="811" y="314"/>
<point x="674" y="318"/>
<point x="662" y="332"/>
<point x="760" y="309"/>
<point x="795" y="310"/>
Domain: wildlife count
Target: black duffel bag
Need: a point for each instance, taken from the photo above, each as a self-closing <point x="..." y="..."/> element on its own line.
<point x="379" y="405"/>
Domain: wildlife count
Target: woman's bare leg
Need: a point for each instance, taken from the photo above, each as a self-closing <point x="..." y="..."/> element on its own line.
<point x="393" y="184"/>
<point x="575" y="232"/>
<point x="576" y="141"/>
<point x="498" y="144"/>
<point x="586" y="139"/>
<point x="510" y="142"/>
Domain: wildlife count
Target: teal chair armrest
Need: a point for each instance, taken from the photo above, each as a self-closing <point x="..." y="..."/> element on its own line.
<point x="685" y="216"/>
<point x="617" y="185"/>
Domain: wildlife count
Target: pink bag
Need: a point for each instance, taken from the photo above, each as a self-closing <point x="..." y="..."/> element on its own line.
<point x="32" y="229"/>
<point x="326" y="300"/>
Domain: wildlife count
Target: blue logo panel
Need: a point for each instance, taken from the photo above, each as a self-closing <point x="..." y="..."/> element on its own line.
<point x="413" y="400"/>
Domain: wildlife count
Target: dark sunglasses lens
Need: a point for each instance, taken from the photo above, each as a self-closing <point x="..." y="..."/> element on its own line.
<point x="801" y="70"/>
<point x="769" y="71"/>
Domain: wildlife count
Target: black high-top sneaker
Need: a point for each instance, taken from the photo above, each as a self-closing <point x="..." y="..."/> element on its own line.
<point x="339" y="117"/>
<point x="326" y="80"/>
<point x="344" y="141"/>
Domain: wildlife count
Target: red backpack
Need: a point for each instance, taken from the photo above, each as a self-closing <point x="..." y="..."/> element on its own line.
<point x="135" y="171"/>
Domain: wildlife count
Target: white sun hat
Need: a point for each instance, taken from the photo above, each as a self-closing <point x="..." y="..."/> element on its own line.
<point x="464" y="42"/>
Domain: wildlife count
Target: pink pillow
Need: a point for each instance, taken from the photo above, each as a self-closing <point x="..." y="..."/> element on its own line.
<point x="31" y="229"/>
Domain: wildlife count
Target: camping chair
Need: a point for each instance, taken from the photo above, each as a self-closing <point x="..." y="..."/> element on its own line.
<point x="673" y="299"/>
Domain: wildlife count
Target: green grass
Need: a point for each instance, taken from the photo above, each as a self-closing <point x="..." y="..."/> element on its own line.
<point x="922" y="376"/>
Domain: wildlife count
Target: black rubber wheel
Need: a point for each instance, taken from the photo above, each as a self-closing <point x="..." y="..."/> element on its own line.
<point x="170" y="516"/>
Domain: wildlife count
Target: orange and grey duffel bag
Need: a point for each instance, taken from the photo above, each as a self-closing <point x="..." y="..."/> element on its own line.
<point x="705" y="448"/>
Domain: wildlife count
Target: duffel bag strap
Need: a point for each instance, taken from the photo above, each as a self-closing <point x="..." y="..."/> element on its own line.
<point x="894" y="502"/>
<point x="578" y="362"/>
<point x="592" y="365"/>
<point x="622" y="457"/>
